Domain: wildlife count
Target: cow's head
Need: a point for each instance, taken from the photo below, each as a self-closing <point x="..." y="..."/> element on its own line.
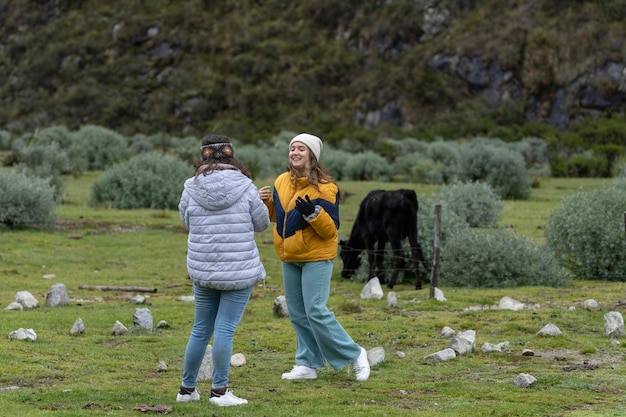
<point x="350" y="257"/>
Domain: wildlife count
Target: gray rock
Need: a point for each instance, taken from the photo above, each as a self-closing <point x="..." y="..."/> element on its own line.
<point x="57" y="295"/>
<point x="15" y="306"/>
<point x="78" y="327"/>
<point x="447" y="333"/>
<point x="525" y="381"/>
<point x="508" y="303"/>
<point x="206" y="367"/>
<point x="463" y="342"/>
<point x="138" y="299"/>
<point x="441" y="356"/>
<point x="372" y="290"/>
<point x="161" y="366"/>
<point x="614" y="324"/>
<point x="119" y="329"/>
<point x="591" y="305"/>
<point x="500" y="347"/>
<point x="23" y="334"/>
<point x="439" y="295"/>
<point x="237" y="360"/>
<point x="376" y="355"/>
<point x="26" y="299"/>
<point x="280" y="307"/>
<point x="142" y="319"/>
<point x="549" y="330"/>
<point x="392" y="300"/>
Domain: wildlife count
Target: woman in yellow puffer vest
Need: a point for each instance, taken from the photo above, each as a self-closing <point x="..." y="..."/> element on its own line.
<point x="305" y="208"/>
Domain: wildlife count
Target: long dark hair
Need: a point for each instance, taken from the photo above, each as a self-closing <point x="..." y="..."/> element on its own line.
<point x="216" y="153"/>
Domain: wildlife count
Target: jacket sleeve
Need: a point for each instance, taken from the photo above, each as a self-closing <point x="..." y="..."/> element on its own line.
<point x="258" y="211"/>
<point x="182" y="209"/>
<point x="325" y="220"/>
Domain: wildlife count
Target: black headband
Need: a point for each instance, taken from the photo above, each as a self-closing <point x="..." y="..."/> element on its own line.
<point x="219" y="151"/>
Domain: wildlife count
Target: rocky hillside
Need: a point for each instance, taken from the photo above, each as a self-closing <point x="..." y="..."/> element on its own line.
<point x="252" y="68"/>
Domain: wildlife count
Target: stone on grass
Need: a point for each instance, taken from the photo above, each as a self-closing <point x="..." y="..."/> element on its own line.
<point x="142" y="319"/>
<point x="280" y="307"/>
<point x="463" y="342"/>
<point x="447" y="333"/>
<point x="162" y="325"/>
<point x="376" y="355"/>
<point x="591" y="305"/>
<point x="119" y="329"/>
<point x="23" y="334"/>
<point x="15" y="306"/>
<point x="528" y="352"/>
<point x="78" y="327"/>
<point x="138" y="299"/>
<point x="186" y="298"/>
<point x="614" y="324"/>
<point x="525" y="381"/>
<point x="372" y="290"/>
<point x="549" y="330"/>
<point x="392" y="300"/>
<point x="57" y="295"/>
<point x="161" y="366"/>
<point x="400" y="354"/>
<point x="508" y="303"/>
<point x="26" y="299"/>
<point x="500" y="347"/>
<point x="206" y="367"/>
<point x="441" y="356"/>
<point x="439" y="295"/>
<point x="237" y="360"/>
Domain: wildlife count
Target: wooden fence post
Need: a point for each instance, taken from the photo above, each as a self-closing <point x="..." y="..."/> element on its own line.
<point x="434" y="275"/>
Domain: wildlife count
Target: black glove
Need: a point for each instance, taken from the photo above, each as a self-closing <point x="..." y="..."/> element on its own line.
<point x="305" y="207"/>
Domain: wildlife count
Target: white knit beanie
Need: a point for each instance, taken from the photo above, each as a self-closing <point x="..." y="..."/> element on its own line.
<point x="312" y="142"/>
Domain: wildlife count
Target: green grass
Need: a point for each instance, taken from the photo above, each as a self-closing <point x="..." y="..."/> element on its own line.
<point x="97" y="374"/>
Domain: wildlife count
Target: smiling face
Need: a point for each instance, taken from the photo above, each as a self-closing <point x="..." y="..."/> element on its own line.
<point x="299" y="156"/>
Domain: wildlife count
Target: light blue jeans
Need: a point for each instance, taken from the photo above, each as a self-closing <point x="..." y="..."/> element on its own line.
<point x="220" y="312"/>
<point x="319" y="336"/>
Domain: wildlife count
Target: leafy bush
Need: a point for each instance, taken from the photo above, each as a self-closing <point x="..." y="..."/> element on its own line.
<point x="96" y="148"/>
<point x="367" y="166"/>
<point x="5" y="140"/>
<point x="59" y="134"/>
<point x="419" y="168"/>
<point x="476" y="202"/>
<point x="25" y="200"/>
<point x="47" y="161"/>
<point x="587" y="232"/>
<point x="149" y="180"/>
<point x="335" y="160"/>
<point x="496" y="258"/>
<point x="447" y="154"/>
<point x="496" y="164"/>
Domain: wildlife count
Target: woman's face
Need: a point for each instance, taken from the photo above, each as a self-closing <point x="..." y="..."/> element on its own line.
<point x="298" y="155"/>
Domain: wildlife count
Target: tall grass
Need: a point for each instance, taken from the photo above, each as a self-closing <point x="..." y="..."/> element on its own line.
<point x="97" y="374"/>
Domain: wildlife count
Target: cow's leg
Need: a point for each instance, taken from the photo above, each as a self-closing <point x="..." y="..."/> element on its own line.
<point x="380" y="257"/>
<point x="397" y="259"/>
<point x="371" y="259"/>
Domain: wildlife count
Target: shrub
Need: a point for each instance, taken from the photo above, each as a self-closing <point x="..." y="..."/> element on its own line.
<point x="587" y="232"/>
<point x="502" y="168"/>
<point x="335" y="160"/>
<point x="59" y="134"/>
<point x="96" y="148"/>
<point x="447" y="154"/>
<point x="25" y="200"/>
<point x="367" y="166"/>
<point x="419" y="168"/>
<point x="475" y="202"/>
<point x="149" y="180"/>
<point x="496" y="258"/>
<point x="5" y="140"/>
<point x="47" y="161"/>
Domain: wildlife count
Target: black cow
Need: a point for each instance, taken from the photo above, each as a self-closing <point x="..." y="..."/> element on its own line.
<point x="384" y="216"/>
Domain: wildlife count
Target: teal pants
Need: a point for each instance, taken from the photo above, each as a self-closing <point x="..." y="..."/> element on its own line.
<point x="319" y="336"/>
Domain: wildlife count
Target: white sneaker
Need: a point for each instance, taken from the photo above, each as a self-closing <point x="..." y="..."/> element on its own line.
<point x="361" y="367"/>
<point x="300" y="372"/>
<point x="183" y="397"/>
<point x="227" y="399"/>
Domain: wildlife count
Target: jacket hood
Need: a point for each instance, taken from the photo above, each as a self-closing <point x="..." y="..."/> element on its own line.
<point x="218" y="189"/>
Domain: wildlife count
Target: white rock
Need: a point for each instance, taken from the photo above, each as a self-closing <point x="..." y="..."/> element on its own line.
<point x="376" y="355"/>
<point x="614" y="324"/>
<point x="447" y="332"/>
<point x="15" y="306"/>
<point x="372" y="290"/>
<point x="508" y="303"/>
<point x="26" y="299"/>
<point x="237" y="360"/>
<point x="525" y="380"/>
<point x="549" y="330"/>
<point x="439" y="295"/>
<point x="591" y="305"/>
<point x="23" y="334"/>
<point x="392" y="300"/>
<point x="441" y="356"/>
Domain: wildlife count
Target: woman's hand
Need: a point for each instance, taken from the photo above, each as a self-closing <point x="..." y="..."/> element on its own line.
<point x="265" y="192"/>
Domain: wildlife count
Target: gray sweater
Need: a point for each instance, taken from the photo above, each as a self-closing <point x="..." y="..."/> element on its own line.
<point x="222" y="210"/>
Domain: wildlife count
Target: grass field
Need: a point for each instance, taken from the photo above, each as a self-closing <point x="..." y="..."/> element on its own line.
<point x="580" y="373"/>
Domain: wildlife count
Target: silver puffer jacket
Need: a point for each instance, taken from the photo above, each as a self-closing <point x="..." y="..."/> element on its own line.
<point x="222" y="210"/>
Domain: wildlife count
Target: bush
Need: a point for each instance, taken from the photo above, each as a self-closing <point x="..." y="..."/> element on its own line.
<point x="475" y="202"/>
<point x="59" y="134"/>
<point x="420" y="168"/>
<point x="335" y="161"/>
<point x="496" y="164"/>
<point x="587" y="233"/>
<point x="47" y="161"/>
<point x="447" y="154"/>
<point x="496" y="258"/>
<point x="5" y="140"/>
<point x="25" y="200"/>
<point x="96" y="148"/>
<point x="367" y="166"/>
<point x="149" y="180"/>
